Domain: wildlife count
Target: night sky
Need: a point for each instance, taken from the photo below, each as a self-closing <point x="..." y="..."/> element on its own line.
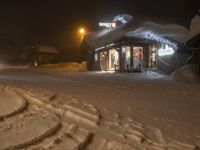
<point x="55" y="22"/>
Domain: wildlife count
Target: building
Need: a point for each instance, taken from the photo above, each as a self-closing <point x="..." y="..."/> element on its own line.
<point x="128" y="44"/>
<point x="40" y="54"/>
<point x="46" y="54"/>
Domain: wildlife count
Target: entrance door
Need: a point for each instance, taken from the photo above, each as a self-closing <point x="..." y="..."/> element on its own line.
<point x="113" y="59"/>
<point x="137" y="58"/>
<point x="104" y="61"/>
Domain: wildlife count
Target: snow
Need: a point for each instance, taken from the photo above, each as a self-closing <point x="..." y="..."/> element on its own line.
<point x="47" y="49"/>
<point x="10" y="104"/>
<point x="25" y="129"/>
<point x="138" y="29"/>
<point x="187" y="73"/>
<point x="63" y="67"/>
<point x="195" y="26"/>
<point x="174" y="32"/>
<point x="95" y="110"/>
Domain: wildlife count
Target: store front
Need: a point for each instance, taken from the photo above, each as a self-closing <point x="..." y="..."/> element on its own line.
<point x="127" y="58"/>
<point x="127" y="45"/>
<point x="109" y="60"/>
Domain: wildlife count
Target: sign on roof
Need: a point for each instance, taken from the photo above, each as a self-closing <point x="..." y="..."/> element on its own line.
<point x="152" y="36"/>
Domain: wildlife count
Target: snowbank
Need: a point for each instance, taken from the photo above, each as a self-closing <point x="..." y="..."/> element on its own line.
<point x="188" y="73"/>
<point x="64" y="67"/>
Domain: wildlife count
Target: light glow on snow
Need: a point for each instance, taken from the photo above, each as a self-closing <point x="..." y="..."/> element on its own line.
<point x="152" y="36"/>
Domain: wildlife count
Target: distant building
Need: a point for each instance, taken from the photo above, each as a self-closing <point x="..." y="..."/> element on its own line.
<point x="40" y="54"/>
<point x="133" y="45"/>
<point x="46" y="54"/>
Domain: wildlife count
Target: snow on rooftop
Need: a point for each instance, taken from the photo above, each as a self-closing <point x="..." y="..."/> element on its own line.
<point x="175" y="32"/>
<point x="48" y="49"/>
<point x="137" y="29"/>
<point x="195" y="26"/>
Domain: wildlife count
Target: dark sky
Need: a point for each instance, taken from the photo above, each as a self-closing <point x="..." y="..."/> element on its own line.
<point x="57" y="21"/>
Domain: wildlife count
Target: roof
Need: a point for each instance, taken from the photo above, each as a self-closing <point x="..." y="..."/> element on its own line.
<point x="135" y="28"/>
<point x="48" y="49"/>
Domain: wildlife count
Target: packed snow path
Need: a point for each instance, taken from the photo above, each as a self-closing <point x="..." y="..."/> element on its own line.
<point x="108" y="111"/>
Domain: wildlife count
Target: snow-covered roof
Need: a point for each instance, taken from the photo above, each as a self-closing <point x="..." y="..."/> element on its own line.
<point x="195" y="26"/>
<point x="47" y="49"/>
<point x="136" y="28"/>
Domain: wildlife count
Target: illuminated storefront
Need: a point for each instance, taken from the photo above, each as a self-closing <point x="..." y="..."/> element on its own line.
<point x="128" y="57"/>
<point x="124" y="46"/>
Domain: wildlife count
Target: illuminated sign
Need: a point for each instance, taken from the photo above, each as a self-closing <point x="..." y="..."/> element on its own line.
<point x="153" y="36"/>
<point x="114" y="25"/>
<point x="108" y="25"/>
<point x="166" y="51"/>
<point x="100" y="48"/>
<point x="120" y="19"/>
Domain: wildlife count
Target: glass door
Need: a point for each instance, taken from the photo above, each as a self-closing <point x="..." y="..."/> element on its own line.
<point x="104" y="61"/>
<point x="113" y="59"/>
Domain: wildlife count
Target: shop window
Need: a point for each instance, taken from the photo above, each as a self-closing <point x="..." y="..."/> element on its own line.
<point x="152" y="56"/>
<point x="126" y="50"/>
<point x="137" y="58"/>
<point x="113" y="59"/>
<point x="96" y="57"/>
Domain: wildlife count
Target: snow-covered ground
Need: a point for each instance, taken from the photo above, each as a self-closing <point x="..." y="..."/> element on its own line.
<point x="98" y="111"/>
<point x="62" y="67"/>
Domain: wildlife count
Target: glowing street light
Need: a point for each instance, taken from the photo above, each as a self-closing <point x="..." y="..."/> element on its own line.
<point x="82" y="31"/>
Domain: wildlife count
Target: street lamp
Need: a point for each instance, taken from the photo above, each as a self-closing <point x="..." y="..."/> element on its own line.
<point x="82" y="32"/>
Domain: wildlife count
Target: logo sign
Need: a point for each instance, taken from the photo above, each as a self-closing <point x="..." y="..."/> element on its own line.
<point x="108" y="25"/>
<point x="166" y="51"/>
<point x="120" y="19"/>
<point x="153" y="36"/>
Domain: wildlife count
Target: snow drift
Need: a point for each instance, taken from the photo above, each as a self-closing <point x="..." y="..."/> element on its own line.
<point x="64" y="67"/>
<point x="188" y="73"/>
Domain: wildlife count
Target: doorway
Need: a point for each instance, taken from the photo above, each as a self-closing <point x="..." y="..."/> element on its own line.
<point x="113" y="59"/>
<point x="104" y="61"/>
